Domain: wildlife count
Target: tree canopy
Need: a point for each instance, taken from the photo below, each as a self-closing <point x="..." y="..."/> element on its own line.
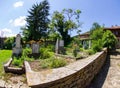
<point x="37" y="21"/>
<point x="109" y="39"/>
<point x="64" y="22"/>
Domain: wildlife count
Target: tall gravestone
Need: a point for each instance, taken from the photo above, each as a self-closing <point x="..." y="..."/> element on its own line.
<point x="57" y="46"/>
<point x="17" y="50"/>
<point x="59" y="49"/>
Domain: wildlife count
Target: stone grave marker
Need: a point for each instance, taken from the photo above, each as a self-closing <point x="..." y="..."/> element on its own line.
<point x="35" y="48"/>
<point x="18" y="41"/>
<point x="57" y="46"/>
<point x="59" y="49"/>
<point x="61" y="43"/>
<point x="17" y="49"/>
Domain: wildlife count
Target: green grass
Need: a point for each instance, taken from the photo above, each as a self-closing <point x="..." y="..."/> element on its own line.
<point x="4" y="57"/>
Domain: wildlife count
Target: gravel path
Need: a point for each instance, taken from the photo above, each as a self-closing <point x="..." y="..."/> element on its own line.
<point x="109" y="76"/>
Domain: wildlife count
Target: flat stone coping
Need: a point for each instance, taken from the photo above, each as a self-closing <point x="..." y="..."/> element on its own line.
<point x="51" y="75"/>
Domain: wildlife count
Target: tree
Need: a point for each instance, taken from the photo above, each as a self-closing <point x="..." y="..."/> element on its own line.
<point x="9" y="42"/>
<point x="64" y="22"/>
<point x="37" y="21"/>
<point x="109" y="39"/>
<point x="94" y="27"/>
<point x="96" y="34"/>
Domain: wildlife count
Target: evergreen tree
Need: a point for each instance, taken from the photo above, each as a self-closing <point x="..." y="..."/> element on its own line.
<point x="37" y="21"/>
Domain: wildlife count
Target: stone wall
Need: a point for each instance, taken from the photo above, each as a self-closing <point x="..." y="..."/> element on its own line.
<point x="76" y="75"/>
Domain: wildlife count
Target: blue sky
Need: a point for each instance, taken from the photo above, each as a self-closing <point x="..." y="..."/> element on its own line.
<point x="14" y="12"/>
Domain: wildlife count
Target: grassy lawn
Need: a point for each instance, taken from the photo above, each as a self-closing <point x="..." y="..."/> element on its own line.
<point x="4" y="57"/>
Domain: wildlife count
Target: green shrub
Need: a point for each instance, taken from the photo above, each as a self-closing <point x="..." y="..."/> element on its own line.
<point x="75" y="53"/>
<point x="79" y="56"/>
<point x="109" y="40"/>
<point x="97" y="45"/>
<point x="53" y="63"/>
<point x="28" y="59"/>
<point x="45" y="53"/>
<point x="17" y="62"/>
<point x="81" y="49"/>
<point x="9" y="42"/>
<point x="90" y="51"/>
<point x="51" y="48"/>
<point x="26" y="51"/>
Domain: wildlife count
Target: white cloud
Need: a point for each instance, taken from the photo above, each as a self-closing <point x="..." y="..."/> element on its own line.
<point x="21" y="21"/>
<point x="10" y="21"/>
<point x="18" y="4"/>
<point x="6" y="30"/>
<point x="6" y="33"/>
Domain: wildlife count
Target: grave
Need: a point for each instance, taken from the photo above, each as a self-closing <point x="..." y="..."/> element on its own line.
<point x="59" y="49"/>
<point x="35" y="48"/>
<point x="17" y="49"/>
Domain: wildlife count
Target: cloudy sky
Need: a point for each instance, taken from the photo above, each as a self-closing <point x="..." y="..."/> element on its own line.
<point x="14" y="12"/>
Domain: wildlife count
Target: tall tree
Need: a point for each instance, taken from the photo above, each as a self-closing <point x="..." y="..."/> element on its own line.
<point x="37" y="21"/>
<point x="96" y="35"/>
<point x="95" y="26"/>
<point x="64" y="22"/>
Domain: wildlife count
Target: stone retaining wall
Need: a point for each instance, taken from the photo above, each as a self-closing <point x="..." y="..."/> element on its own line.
<point x="76" y="75"/>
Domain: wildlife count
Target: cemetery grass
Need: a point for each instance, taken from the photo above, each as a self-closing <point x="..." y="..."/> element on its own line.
<point x="4" y="57"/>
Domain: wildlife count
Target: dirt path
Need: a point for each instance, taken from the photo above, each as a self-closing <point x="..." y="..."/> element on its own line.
<point x="109" y="76"/>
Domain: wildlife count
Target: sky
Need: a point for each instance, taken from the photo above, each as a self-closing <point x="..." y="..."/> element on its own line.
<point x="14" y="12"/>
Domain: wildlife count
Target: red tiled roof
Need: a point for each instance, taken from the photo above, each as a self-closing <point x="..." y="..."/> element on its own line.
<point x="113" y="28"/>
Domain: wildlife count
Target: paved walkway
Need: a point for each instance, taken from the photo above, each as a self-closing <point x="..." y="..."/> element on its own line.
<point x="109" y="76"/>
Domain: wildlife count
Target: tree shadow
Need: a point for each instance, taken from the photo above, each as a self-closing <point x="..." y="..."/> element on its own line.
<point x="114" y="52"/>
<point x="99" y="79"/>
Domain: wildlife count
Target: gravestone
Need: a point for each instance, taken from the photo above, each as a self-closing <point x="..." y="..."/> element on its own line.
<point x="59" y="49"/>
<point x="35" y="48"/>
<point x="61" y="43"/>
<point x="57" y="46"/>
<point x="17" y="49"/>
<point x="18" y="41"/>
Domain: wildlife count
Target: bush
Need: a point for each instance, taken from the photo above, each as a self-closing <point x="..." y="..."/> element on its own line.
<point x="109" y="39"/>
<point x="53" y="63"/>
<point x="75" y="53"/>
<point x="26" y="51"/>
<point x="9" y="42"/>
<point x="90" y="51"/>
<point x="81" y="49"/>
<point x="51" y="48"/>
<point x="45" y="53"/>
<point x="97" y="45"/>
<point x="28" y="59"/>
<point x="17" y="62"/>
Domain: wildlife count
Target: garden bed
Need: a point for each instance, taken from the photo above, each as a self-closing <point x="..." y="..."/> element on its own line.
<point x="40" y="65"/>
<point x="8" y="68"/>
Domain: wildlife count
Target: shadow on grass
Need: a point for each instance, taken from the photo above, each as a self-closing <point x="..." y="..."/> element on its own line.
<point x="99" y="80"/>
